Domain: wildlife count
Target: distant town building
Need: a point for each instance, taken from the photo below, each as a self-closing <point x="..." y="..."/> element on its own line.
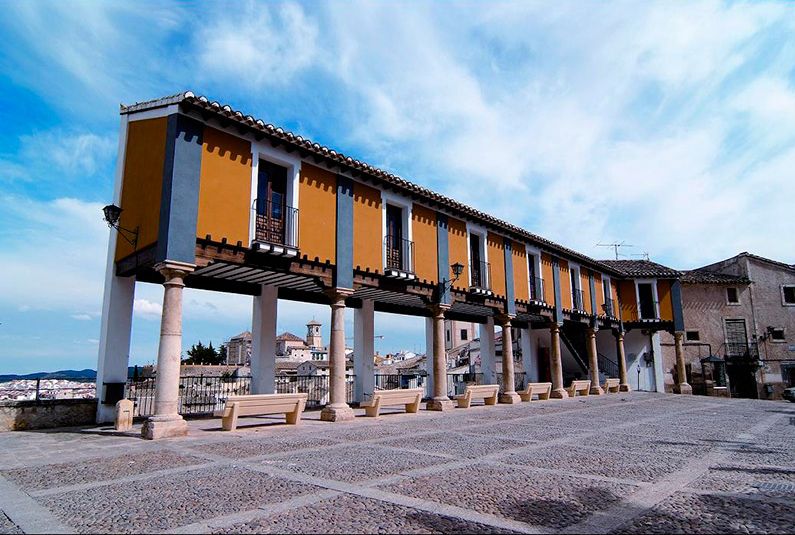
<point x="739" y="317"/>
<point x="238" y="349"/>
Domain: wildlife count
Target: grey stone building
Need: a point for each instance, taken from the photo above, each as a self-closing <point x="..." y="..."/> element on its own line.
<point x="742" y="311"/>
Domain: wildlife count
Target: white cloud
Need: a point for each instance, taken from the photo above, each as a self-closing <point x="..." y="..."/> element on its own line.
<point x="143" y="308"/>
<point x="257" y="44"/>
<point x="81" y="317"/>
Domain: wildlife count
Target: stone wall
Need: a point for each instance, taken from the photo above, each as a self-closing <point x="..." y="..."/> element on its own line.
<point x="46" y="414"/>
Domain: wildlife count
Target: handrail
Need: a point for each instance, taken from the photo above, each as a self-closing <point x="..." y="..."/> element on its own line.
<point x="275" y="223"/>
<point x="480" y="273"/>
<point x="399" y="253"/>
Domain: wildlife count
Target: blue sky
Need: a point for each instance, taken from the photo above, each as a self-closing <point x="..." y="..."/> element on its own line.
<point x="666" y="125"/>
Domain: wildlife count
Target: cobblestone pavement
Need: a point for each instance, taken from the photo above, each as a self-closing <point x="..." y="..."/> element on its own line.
<point x="618" y="463"/>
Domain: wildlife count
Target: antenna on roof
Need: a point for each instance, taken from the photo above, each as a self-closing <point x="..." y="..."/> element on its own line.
<point x="615" y="246"/>
<point x="644" y="255"/>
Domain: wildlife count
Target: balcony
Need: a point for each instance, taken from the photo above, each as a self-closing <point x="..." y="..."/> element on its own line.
<point x="742" y="351"/>
<point x="480" y="278"/>
<point x="609" y="308"/>
<point x="578" y="300"/>
<point x="647" y="310"/>
<point x="399" y="255"/>
<point x="275" y="228"/>
<point x="538" y="291"/>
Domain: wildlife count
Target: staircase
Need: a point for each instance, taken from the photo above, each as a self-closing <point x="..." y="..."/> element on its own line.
<point x="574" y="340"/>
<point x="607" y="367"/>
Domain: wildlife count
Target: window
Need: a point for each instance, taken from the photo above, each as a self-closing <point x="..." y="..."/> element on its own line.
<point x="732" y="296"/>
<point x="463" y="334"/>
<point x="448" y="335"/>
<point x="776" y="334"/>
<point x="692" y="336"/>
<point x="788" y="295"/>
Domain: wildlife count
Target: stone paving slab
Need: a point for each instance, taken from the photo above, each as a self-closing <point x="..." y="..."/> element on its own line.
<point x="744" y="479"/>
<point x="354" y="462"/>
<point x="457" y="444"/>
<point x="548" y="500"/>
<point x="240" y="448"/>
<point x="689" y="513"/>
<point x="7" y="526"/>
<point x="576" y="459"/>
<point x="355" y="514"/>
<point x="103" y="469"/>
<point x="160" y="504"/>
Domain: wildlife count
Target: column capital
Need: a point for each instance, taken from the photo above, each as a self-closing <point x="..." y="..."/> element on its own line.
<point x="504" y="320"/>
<point x="337" y="296"/>
<point x="438" y="309"/>
<point x="171" y="269"/>
<point x="591" y="331"/>
<point x="554" y="326"/>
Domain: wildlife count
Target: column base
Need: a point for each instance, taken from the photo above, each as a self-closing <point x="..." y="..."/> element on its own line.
<point x="559" y="393"/>
<point x="683" y="388"/>
<point x="337" y="413"/>
<point x="510" y="398"/>
<point x="157" y="427"/>
<point x="624" y="387"/>
<point x="439" y="404"/>
<point x="596" y="391"/>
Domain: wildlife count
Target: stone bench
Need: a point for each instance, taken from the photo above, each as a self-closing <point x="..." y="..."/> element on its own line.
<point x="410" y="397"/>
<point x="543" y="390"/>
<point x="581" y="387"/>
<point x="488" y="393"/>
<point x="611" y="386"/>
<point x="291" y="405"/>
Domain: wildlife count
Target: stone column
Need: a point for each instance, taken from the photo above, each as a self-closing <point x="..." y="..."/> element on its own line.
<point x="337" y="409"/>
<point x="263" y="341"/>
<point x="556" y="364"/>
<point x="363" y="350"/>
<point x="167" y="421"/>
<point x="593" y="364"/>
<point x="509" y="394"/>
<point x="440" y="401"/>
<point x="622" y="363"/>
<point x="487" y="351"/>
<point x="683" y="387"/>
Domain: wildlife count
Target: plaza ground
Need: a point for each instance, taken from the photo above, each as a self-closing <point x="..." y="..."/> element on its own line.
<point x="611" y="464"/>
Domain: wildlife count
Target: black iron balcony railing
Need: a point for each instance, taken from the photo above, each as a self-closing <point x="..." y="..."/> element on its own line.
<point x="276" y="223"/>
<point x="399" y="254"/>
<point x="537" y="290"/>
<point x="739" y="350"/>
<point x="648" y="310"/>
<point x="609" y="308"/>
<point x="480" y="273"/>
<point x="578" y="300"/>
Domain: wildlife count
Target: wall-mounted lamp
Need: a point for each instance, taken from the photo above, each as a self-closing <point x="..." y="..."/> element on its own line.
<point x="457" y="270"/>
<point x="111" y="217"/>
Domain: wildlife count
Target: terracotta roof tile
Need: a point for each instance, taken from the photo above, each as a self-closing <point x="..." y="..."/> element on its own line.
<point x="643" y="268"/>
<point x="703" y="276"/>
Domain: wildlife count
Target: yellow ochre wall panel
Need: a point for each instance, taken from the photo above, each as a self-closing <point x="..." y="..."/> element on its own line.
<point x="614" y="293"/>
<point x="423" y="229"/>
<point x="664" y="295"/>
<point x="585" y="284"/>
<point x="565" y="284"/>
<point x="520" y="275"/>
<point x="142" y="182"/>
<point x="600" y="292"/>
<point x="367" y="220"/>
<point x="549" y="281"/>
<point x="225" y="188"/>
<point x="457" y="249"/>
<point x="496" y="248"/>
<point x="629" y="304"/>
<point x="317" y="229"/>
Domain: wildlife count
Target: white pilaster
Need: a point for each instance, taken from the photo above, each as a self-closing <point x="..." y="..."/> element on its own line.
<point x="117" y="304"/>
<point x="363" y="350"/>
<point x="659" y="375"/>
<point x="429" y="357"/>
<point x="114" y="338"/>
<point x="487" y="351"/>
<point x="529" y="356"/>
<point x="263" y="341"/>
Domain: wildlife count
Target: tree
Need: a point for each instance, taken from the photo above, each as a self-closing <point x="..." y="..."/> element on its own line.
<point x="222" y="354"/>
<point x="201" y="354"/>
